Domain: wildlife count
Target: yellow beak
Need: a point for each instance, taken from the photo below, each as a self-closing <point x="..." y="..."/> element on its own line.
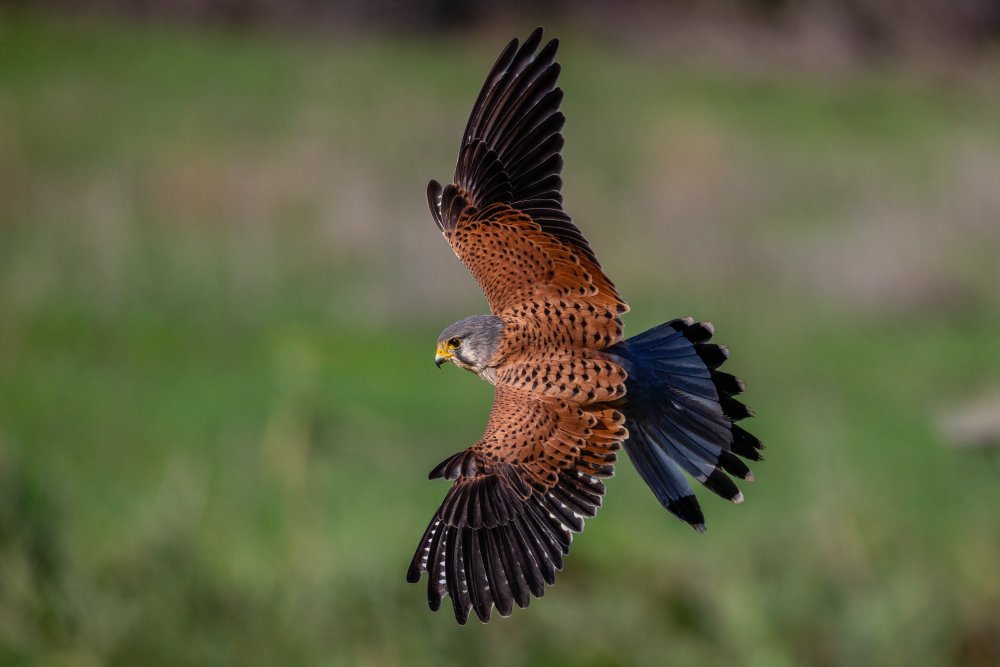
<point x="441" y="356"/>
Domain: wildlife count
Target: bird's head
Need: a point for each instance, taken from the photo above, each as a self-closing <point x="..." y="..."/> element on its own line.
<point x="470" y="343"/>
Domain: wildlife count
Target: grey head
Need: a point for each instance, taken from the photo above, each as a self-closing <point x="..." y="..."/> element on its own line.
<point x="470" y="343"/>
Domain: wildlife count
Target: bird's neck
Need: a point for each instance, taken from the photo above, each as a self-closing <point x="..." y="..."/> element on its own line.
<point x="489" y="374"/>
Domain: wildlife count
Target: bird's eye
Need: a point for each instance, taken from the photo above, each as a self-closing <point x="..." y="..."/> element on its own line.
<point x="454" y="342"/>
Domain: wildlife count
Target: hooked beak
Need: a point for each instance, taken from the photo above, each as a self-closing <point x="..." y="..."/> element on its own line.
<point x="441" y="356"/>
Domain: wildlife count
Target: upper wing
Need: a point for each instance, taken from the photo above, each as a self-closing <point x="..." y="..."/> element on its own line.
<point x="519" y="495"/>
<point x="503" y="215"/>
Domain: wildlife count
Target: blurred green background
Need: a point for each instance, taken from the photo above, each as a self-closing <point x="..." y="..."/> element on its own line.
<point x="220" y="288"/>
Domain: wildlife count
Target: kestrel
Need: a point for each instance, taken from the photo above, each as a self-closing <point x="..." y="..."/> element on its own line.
<point x="569" y="391"/>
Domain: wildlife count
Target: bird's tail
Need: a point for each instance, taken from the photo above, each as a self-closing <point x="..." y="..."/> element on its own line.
<point x="681" y="416"/>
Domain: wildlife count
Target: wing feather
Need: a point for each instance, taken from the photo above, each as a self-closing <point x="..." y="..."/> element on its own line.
<point x="507" y="196"/>
<point x="501" y="533"/>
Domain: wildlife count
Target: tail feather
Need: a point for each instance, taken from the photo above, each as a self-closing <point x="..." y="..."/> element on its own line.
<point x="726" y="384"/>
<point x="664" y="477"/>
<point x="746" y="444"/>
<point x="681" y="415"/>
<point x="734" y="466"/>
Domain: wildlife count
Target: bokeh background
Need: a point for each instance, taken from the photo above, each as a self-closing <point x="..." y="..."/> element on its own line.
<point x="220" y="287"/>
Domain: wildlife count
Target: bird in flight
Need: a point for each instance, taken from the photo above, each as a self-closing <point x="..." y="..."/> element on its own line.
<point x="569" y="391"/>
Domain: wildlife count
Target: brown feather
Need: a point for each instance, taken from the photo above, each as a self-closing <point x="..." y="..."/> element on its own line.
<point x="521" y="492"/>
<point x="531" y="481"/>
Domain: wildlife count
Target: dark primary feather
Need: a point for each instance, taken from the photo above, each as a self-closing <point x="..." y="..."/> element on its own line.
<point x="511" y="148"/>
<point x="488" y="546"/>
<point x="500" y="534"/>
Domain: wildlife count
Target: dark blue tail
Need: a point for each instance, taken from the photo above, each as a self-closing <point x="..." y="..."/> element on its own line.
<point x="681" y="416"/>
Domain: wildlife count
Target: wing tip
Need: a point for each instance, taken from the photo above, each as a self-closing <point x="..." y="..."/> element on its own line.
<point x="535" y="38"/>
<point x="434" y="190"/>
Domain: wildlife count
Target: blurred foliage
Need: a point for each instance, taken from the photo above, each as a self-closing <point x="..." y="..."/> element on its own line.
<point x="864" y="28"/>
<point x="220" y="290"/>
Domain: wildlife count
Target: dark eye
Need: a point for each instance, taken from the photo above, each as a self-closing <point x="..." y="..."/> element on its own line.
<point x="454" y="342"/>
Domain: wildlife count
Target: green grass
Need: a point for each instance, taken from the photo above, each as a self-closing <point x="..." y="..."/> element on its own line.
<point x="220" y="290"/>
